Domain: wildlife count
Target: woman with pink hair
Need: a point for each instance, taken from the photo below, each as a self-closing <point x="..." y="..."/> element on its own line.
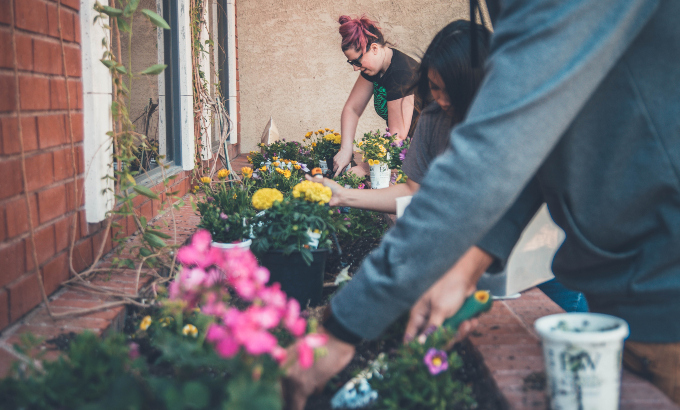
<point x="387" y="74"/>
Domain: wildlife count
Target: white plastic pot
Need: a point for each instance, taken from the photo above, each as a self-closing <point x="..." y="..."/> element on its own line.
<point x="241" y="245"/>
<point x="380" y="176"/>
<point x="582" y="353"/>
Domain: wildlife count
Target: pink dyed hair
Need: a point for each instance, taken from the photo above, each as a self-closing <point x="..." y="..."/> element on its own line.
<point x="359" y="33"/>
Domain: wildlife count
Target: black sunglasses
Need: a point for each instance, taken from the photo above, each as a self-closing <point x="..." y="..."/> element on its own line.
<point x="357" y="61"/>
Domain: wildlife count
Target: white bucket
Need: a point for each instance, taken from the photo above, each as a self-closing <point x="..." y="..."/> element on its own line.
<point x="241" y="245"/>
<point x="313" y="239"/>
<point x="582" y="353"/>
<point x="380" y="176"/>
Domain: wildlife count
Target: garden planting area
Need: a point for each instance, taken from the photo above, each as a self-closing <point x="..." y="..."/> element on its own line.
<point x="213" y="333"/>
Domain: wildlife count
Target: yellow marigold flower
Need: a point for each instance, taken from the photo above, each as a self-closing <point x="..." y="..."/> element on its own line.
<point x="275" y="158"/>
<point x="327" y="129"/>
<point x="293" y="162"/>
<point x="205" y="180"/>
<point x="337" y="139"/>
<point x="381" y="154"/>
<point x="190" y="330"/>
<point x="265" y="198"/>
<point x="222" y="173"/>
<point x="286" y="173"/>
<point x="308" y="135"/>
<point x="247" y="172"/>
<point x="332" y="130"/>
<point x="360" y="143"/>
<point x="320" y="131"/>
<point x="279" y="170"/>
<point x="263" y="168"/>
<point x="312" y="192"/>
<point x="250" y="160"/>
<point x="146" y="322"/>
<point x="296" y="166"/>
<point x="276" y="163"/>
<point x="313" y="144"/>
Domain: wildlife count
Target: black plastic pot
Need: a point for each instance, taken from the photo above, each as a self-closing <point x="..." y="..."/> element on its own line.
<point x="299" y="280"/>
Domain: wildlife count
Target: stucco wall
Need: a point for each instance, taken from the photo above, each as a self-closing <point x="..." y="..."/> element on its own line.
<point x="292" y="68"/>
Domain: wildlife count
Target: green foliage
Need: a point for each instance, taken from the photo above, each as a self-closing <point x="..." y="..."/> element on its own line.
<point x="174" y="372"/>
<point x="225" y="211"/>
<point x="408" y="384"/>
<point x="349" y="180"/>
<point x="278" y="175"/>
<point x="359" y="223"/>
<point x="155" y="19"/>
<point x="286" y="224"/>
<point x="291" y="150"/>
<point x="325" y="145"/>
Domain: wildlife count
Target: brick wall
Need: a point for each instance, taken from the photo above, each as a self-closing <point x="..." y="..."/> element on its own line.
<point x="51" y="182"/>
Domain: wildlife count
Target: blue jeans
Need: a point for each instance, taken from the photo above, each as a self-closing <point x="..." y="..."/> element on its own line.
<point x="567" y="299"/>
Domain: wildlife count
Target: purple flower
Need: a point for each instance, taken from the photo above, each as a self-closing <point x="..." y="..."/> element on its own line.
<point x="402" y="154"/>
<point x="224" y="216"/>
<point x="133" y="353"/>
<point x="436" y="361"/>
<point x="303" y="167"/>
<point x="211" y="199"/>
<point x="399" y="143"/>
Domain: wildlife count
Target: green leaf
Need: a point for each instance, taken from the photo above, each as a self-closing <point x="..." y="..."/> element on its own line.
<point x="154" y="241"/>
<point x="110" y="11"/>
<point x="159" y="234"/>
<point x="155" y="19"/>
<point x="142" y="220"/>
<point x="129" y="178"/>
<point x="124" y="26"/>
<point x="145" y="252"/>
<point x="142" y="190"/>
<point x="108" y="63"/>
<point x="121" y="69"/>
<point x="130" y="8"/>
<point x="154" y="69"/>
<point x="197" y="394"/>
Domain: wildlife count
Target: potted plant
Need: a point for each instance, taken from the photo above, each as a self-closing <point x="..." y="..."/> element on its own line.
<point x="279" y="173"/>
<point x="292" y="238"/>
<point x="226" y="210"/>
<point x="324" y="147"/>
<point x="375" y="149"/>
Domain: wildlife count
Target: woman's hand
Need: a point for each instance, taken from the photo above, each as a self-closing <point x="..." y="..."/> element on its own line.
<point x="341" y="160"/>
<point x="300" y="383"/>
<point x="337" y="189"/>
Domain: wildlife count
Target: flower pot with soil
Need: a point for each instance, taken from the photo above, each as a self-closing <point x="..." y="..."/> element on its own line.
<point x="226" y="210"/>
<point x="294" y="235"/>
<point x="582" y="354"/>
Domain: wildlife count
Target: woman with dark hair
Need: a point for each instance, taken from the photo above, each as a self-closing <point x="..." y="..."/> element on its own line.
<point x="387" y="74"/>
<point x="447" y="80"/>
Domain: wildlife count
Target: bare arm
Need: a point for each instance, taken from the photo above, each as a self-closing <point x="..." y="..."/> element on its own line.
<point x="400" y="115"/>
<point x="381" y="200"/>
<point x="354" y="107"/>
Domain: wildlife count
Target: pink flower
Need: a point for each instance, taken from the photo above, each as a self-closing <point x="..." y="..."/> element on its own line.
<point x="436" y="361"/>
<point x="266" y="317"/>
<point x="292" y="320"/>
<point x="279" y="354"/>
<point x="227" y="347"/>
<point x="260" y="342"/>
<point x="361" y="186"/>
<point x="306" y="348"/>
<point x="273" y="296"/>
<point x="199" y="253"/>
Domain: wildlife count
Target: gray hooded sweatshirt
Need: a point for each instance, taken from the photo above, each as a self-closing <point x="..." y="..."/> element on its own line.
<point x="580" y="108"/>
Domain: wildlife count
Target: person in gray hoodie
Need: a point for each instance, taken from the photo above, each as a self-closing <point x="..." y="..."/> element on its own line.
<point x="580" y="109"/>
